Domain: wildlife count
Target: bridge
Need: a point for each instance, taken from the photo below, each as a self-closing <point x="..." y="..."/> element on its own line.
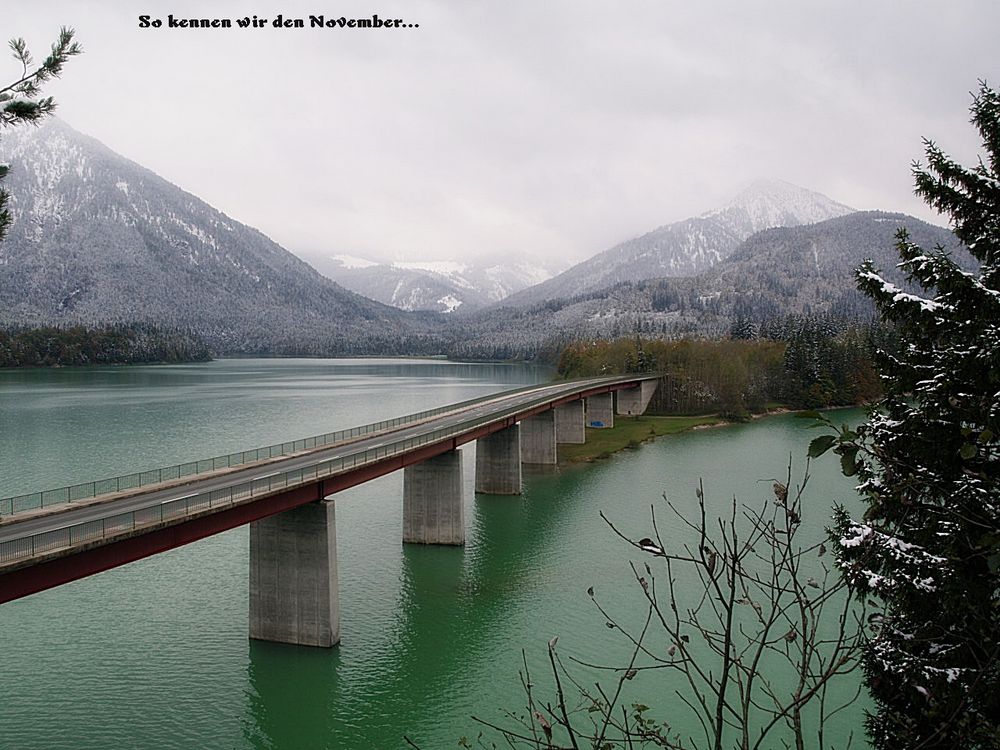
<point x="284" y="492"/>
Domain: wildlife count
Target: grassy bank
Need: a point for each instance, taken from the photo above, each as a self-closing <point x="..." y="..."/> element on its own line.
<point x="628" y="432"/>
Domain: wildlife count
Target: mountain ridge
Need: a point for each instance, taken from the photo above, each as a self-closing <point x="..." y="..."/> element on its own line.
<point x="689" y="246"/>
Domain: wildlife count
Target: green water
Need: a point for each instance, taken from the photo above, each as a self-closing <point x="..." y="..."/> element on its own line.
<point x="155" y="654"/>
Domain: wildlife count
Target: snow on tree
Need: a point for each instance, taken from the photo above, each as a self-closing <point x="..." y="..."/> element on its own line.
<point x="928" y="547"/>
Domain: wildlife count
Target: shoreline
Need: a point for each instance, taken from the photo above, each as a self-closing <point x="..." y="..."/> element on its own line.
<point x="630" y="432"/>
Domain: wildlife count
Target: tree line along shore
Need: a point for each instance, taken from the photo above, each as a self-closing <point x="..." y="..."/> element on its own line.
<point x="813" y="366"/>
<point x="79" y="345"/>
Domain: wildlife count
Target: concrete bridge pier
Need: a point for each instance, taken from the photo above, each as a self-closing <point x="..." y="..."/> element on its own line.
<point x="293" y="577"/>
<point x="498" y="462"/>
<point x="601" y="410"/>
<point x="538" y="439"/>
<point x="570" y="423"/>
<point x="634" y="401"/>
<point x="432" y="501"/>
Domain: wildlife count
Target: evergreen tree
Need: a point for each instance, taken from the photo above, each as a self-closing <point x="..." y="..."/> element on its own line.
<point x="928" y="460"/>
<point x="19" y="102"/>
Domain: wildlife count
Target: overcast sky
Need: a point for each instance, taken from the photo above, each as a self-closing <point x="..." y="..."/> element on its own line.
<point x="552" y="129"/>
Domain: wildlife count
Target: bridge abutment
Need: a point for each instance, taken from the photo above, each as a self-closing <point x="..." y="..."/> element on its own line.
<point x="498" y="462"/>
<point x="538" y="439"/>
<point x="601" y="410"/>
<point x="293" y="577"/>
<point x="432" y="501"/>
<point x="634" y="401"/>
<point x="570" y="423"/>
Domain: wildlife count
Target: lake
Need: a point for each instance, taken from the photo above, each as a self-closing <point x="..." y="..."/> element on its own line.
<point x="156" y="654"/>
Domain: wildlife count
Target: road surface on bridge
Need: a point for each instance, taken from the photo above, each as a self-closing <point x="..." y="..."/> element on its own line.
<point x="464" y="420"/>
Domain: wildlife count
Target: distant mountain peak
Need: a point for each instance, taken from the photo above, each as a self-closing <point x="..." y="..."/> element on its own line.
<point x="770" y="187"/>
<point x="769" y="203"/>
<point x="437" y="285"/>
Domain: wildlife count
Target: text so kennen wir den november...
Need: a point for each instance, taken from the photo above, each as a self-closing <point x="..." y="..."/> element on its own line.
<point x="173" y="22"/>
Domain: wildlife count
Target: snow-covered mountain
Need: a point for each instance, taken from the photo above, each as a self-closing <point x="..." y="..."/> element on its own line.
<point x="98" y="239"/>
<point x="780" y="272"/>
<point x="690" y="246"/>
<point x="442" y="286"/>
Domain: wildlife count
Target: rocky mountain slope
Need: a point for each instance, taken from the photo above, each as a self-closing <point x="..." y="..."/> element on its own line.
<point x="99" y="239"/>
<point x="441" y="286"/>
<point x="689" y="247"/>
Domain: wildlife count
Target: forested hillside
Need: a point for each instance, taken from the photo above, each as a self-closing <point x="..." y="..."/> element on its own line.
<point x="799" y="362"/>
<point x="807" y="270"/>
<point x="98" y="240"/>
<point x="78" y="345"/>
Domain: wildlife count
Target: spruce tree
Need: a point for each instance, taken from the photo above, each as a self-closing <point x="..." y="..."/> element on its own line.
<point x="19" y="102"/>
<point x="927" y="549"/>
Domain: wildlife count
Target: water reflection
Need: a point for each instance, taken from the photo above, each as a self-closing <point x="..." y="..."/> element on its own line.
<point x="291" y="695"/>
<point x="451" y="609"/>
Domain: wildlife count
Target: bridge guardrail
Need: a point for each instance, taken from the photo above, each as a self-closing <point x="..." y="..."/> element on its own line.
<point x="74" y="534"/>
<point x="87" y="490"/>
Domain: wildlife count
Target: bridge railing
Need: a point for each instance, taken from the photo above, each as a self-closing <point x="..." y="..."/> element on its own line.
<point x="87" y="490"/>
<point x="96" y="530"/>
<point x="104" y="528"/>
